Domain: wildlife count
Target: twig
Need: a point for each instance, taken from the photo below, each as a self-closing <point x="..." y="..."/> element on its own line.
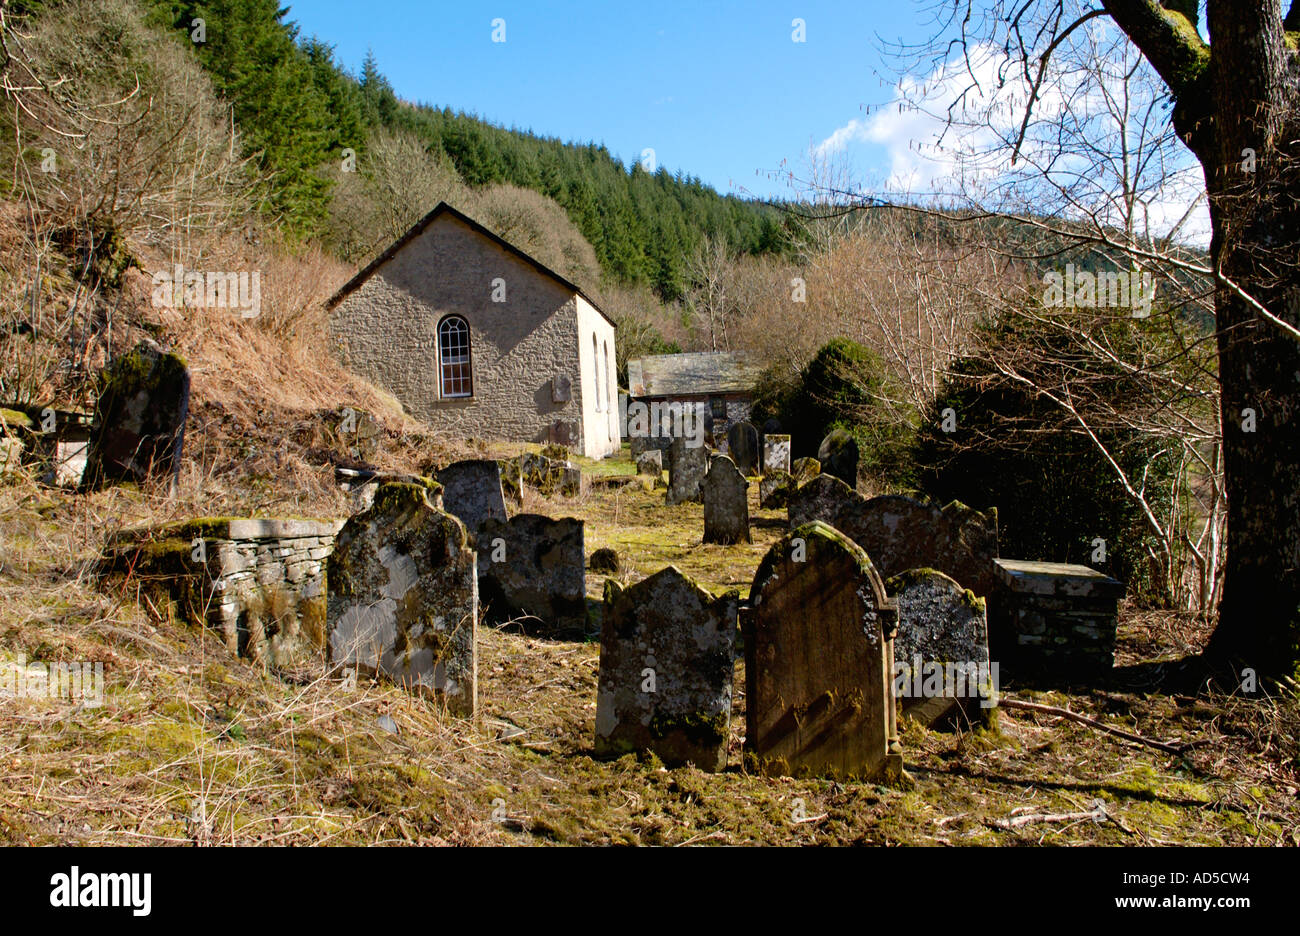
<point x="1085" y="720"/>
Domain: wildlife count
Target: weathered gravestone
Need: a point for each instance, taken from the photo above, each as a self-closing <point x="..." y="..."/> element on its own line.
<point x="666" y="656"/>
<point x="471" y="490"/>
<point x="549" y="475"/>
<point x="403" y="597"/>
<point x="532" y="570"/>
<point x="726" y="503"/>
<point x="650" y="463"/>
<point x="900" y="533"/>
<point x="838" y="455"/>
<point x="742" y="446"/>
<point x="804" y="470"/>
<point x="819" y="661"/>
<point x="139" y="423"/>
<point x="774" y="488"/>
<point x="776" y="453"/>
<point x="687" y="465"/>
<point x="941" y="650"/>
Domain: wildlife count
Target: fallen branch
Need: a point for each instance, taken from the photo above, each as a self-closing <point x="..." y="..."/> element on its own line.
<point x="1019" y="821"/>
<point x="1092" y="722"/>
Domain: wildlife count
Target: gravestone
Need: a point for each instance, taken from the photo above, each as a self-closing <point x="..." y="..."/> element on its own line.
<point x="403" y="597"/>
<point x="900" y="533"/>
<point x="941" y="650"/>
<point x="742" y="446"/>
<point x="550" y="475"/>
<point x="726" y="503"/>
<point x="667" y="651"/>
<point x="650" y="463"/>
<point x="532" y="570"/>
<point x="838" y="455"/>
<point x="772" y="424"/>
<point x="774" y="488"/>
<point x="471" y="490"/>
<point x="512" y="482"/>
<point x="818" y="662"/>
<point x="687" y="465"/>
<point x="804" y="470"/>
<point x="776" y="453"/>
<point x="139" y="423"/>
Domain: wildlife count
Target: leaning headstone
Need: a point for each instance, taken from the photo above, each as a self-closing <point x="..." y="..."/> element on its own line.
<point x="941" y="650"/>
<point x="650" y="463"/>
<point x="472" y="491"/>
<point x="838" y="455"/>
<point x="726" y="503"/>
<point x="512" y="482"/>
<point x="776" y="453"/>
<point x="819" y="662"/>
<point x="403" y="597"/>
<point x="139" y="423"/>
<point x="532" y="571"/>
<point x="804" y="470"/>
<point x="687" y="465"/>
<point x="774" y="488"/>
<point x="900" y="533"/>
<point x="742" y="446"/>
<point x="667" y="651"/>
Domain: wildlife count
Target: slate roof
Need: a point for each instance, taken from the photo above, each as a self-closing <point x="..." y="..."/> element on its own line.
<point x="692" y="373"/>
<point x="419" y="227"/>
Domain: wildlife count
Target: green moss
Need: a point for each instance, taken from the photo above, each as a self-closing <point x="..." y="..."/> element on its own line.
<point x="698" y="729"/>
<point x="16" y="419"/>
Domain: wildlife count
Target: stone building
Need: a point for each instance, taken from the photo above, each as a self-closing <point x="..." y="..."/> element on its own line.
<point x="721" y="381"/>
<point x="478" y="339"/>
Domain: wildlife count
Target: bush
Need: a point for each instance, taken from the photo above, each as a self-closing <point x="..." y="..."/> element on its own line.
<point x="844" y="386"/>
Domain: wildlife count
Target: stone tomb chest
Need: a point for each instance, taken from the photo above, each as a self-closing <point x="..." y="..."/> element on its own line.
<point x="1053" y="618"/>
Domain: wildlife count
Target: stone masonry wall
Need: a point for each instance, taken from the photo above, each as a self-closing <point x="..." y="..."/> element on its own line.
<point x="386" y="331"/>
<point x="260" y="583"/>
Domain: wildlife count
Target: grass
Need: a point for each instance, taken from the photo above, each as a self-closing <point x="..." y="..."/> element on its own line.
<point x="194" y="746"/>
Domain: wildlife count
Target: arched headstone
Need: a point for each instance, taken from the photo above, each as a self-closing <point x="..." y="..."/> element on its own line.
<point x="742" y="446"/>
<point x="838" y="454"/>
<point x="726" y="503"/>
<point x="819" y="662"/>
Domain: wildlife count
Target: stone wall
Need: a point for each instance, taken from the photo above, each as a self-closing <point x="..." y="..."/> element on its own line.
<point x="386" y="330"/>
<point x="260" y="583"/>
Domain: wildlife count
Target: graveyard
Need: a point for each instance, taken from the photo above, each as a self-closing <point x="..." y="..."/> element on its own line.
<point x="199" y="743"/>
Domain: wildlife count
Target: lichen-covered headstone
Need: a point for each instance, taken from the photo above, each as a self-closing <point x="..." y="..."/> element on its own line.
<point x="900" y="533"/>
<point x="472" y="491"/>
<point x="819" y="662"/>
<point x="139" y="422"/>
<point x="774" y="488"/>
<point x="726" y="503"/>
<point x="941" y="650"/>
<point x="742" y="446"/>
<point x="650" y="463"/>
<point x="532" y="571"/>
<point x="403" y="597"/>
<point x="667" y="651"/>
<point x="687" y="465"/>
<point x="776" y="453"/>
<point x="838" y="455"/>
<point x="804" y="470"/>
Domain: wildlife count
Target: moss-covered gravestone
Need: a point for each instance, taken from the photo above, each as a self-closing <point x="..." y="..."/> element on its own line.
<point x="818" y="662"/>
<point x="941" y="650"/>
<point x="726" y="503"/>
<point x="838" y="455"/>
<point x="667" y="651"/>
<point x="403" y="597"/>
<point x="139" y="423"/>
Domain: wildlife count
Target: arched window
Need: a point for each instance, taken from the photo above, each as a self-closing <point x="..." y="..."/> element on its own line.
<point x="453" y="357"/>
<point x="595" y="363"/>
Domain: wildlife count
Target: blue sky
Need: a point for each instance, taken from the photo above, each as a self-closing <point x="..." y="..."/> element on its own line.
<point x="717" y="89"/>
